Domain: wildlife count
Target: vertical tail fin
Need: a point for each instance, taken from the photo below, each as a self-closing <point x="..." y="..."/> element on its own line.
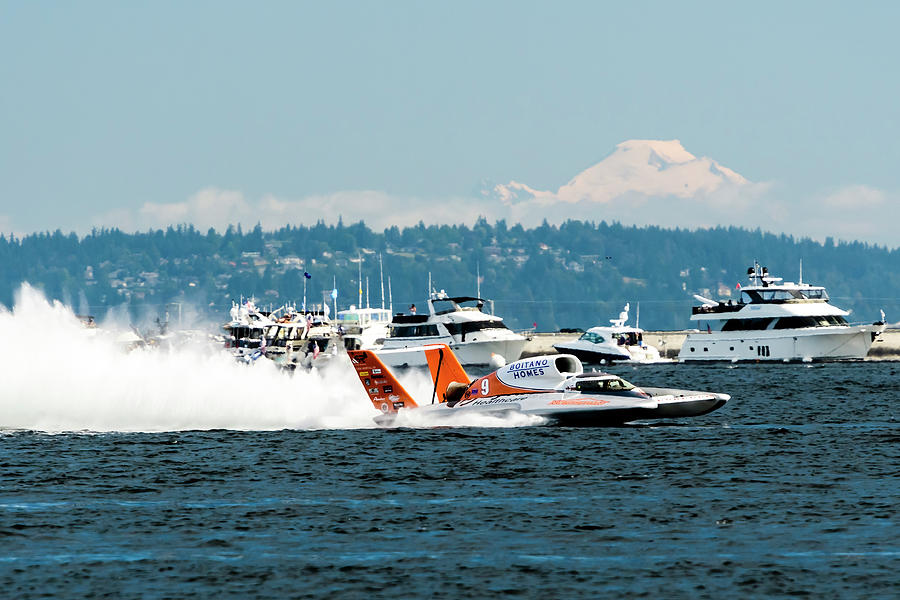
<point x="383" y="389"/>
<point x="445" y="369"/>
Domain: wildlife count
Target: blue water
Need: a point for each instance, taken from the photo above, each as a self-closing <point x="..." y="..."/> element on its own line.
<point x="789" y="490"/>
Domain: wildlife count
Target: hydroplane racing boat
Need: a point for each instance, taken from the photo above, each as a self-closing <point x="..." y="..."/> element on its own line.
<point x="553" y="387"/>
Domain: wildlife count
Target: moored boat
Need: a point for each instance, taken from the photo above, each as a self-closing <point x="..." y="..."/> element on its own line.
<point x="616" y="342"/>
<point x="776" y="321"/>
<point x="475" y="337"/>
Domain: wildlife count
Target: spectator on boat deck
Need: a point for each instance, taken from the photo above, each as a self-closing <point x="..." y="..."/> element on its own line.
<point x="412" y="309"/>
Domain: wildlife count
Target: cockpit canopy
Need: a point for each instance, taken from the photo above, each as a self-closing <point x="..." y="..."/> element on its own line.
<point x="598" y="383"/>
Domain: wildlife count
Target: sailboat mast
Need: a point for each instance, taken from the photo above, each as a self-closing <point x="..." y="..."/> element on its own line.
<point x="304" y="287"/>
<point x="381" y="269"/>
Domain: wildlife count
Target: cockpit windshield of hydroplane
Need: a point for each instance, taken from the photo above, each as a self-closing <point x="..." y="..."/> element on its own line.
<point x="607" y="384"/>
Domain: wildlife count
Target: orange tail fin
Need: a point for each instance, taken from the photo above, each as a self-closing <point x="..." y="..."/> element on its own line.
<point x="445" y="369"/>
<point x="383" y="389"/>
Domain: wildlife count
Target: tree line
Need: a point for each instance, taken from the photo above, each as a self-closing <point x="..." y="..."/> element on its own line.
<point x="574" y="275"/>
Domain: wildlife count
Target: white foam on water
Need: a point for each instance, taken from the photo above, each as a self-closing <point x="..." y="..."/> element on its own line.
<point x="57" y="375"/>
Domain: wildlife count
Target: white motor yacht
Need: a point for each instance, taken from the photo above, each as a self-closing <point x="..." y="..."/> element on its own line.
<point x="299" y="339"/>
<point x="475" y="337"/>
<point x="616" y="342"/>
<point x="776" y="321"/>
<point x="364" y="328"/>
<point x="245" y="332"/>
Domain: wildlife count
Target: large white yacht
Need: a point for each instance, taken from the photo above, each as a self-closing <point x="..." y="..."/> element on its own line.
<point x="475" y="337"/>
<point x="616" y="342"/>
<point x="246" y="331"/>
<point x="364" y="328"/>
<point x="776" y="321"/>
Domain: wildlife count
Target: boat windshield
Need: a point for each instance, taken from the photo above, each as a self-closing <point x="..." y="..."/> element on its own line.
<point x="442" y="307"/>
<point x="594" y="338"/>
<point x="783" y="295"/>
<point x="603" y="386"/>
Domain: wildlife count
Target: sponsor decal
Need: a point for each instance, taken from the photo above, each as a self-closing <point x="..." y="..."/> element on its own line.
<point x="491" y="401"/>
<point x="529" y="364"/>
<point x="380" y="381"/>
<point x="578" y="402"/>
<point x="384" y="407"/>
<point x="376" y="371"/>
<point x="388" y="389"/>
<point x="398" y="405"/>
<point x="357" y="358"/>
<point x="394" y="397"/>
<point x="363" y="373"/>
<point x="373" y="391"/>
<point x="529" y="368"/>
<point x="495" y="400"/>
<point x="368" y="382"/>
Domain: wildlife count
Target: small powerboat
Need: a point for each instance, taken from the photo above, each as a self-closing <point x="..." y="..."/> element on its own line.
<point x="554" y="387"/>
<point x="617" y="342"/>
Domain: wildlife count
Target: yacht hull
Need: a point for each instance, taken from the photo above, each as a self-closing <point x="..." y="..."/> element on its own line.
<point x="813" y="344"/>
<point x="477" y="353"/>
<point x="591" y="356"/>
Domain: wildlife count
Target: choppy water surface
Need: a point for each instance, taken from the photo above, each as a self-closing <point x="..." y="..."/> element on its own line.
<point x="791" y="489"/>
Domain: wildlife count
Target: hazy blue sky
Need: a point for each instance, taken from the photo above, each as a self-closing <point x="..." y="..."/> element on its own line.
<point x="108" y="106"/>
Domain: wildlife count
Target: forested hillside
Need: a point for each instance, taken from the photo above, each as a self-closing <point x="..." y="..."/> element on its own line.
<point x="575" y="275"/>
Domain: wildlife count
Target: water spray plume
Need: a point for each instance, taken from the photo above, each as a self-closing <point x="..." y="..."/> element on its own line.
<point x="59" y="375"/>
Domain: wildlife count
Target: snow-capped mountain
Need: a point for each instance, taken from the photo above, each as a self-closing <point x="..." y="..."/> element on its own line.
<point x="650" y="168"/>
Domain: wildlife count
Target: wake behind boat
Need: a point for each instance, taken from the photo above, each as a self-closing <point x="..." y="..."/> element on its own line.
<point x="552" y="387"/>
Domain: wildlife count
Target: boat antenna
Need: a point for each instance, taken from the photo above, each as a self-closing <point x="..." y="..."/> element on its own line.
<point x="478" y="279"/>
<point x="390" y="296"/>
<point x="637" y="316"/>
<point x="359" y="278"/>
<point x="801" y="271"/>
<point x="367" y="292"/>
<point x="381" y="269"/>
<point x="428" y="295"/>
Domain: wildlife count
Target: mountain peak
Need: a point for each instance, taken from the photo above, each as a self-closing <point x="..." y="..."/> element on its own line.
<point x="642" y="168"/>
<point x="670" y="151"/>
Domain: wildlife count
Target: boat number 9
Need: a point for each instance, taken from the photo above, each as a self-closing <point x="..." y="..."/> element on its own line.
<point x="484" y="387"/>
